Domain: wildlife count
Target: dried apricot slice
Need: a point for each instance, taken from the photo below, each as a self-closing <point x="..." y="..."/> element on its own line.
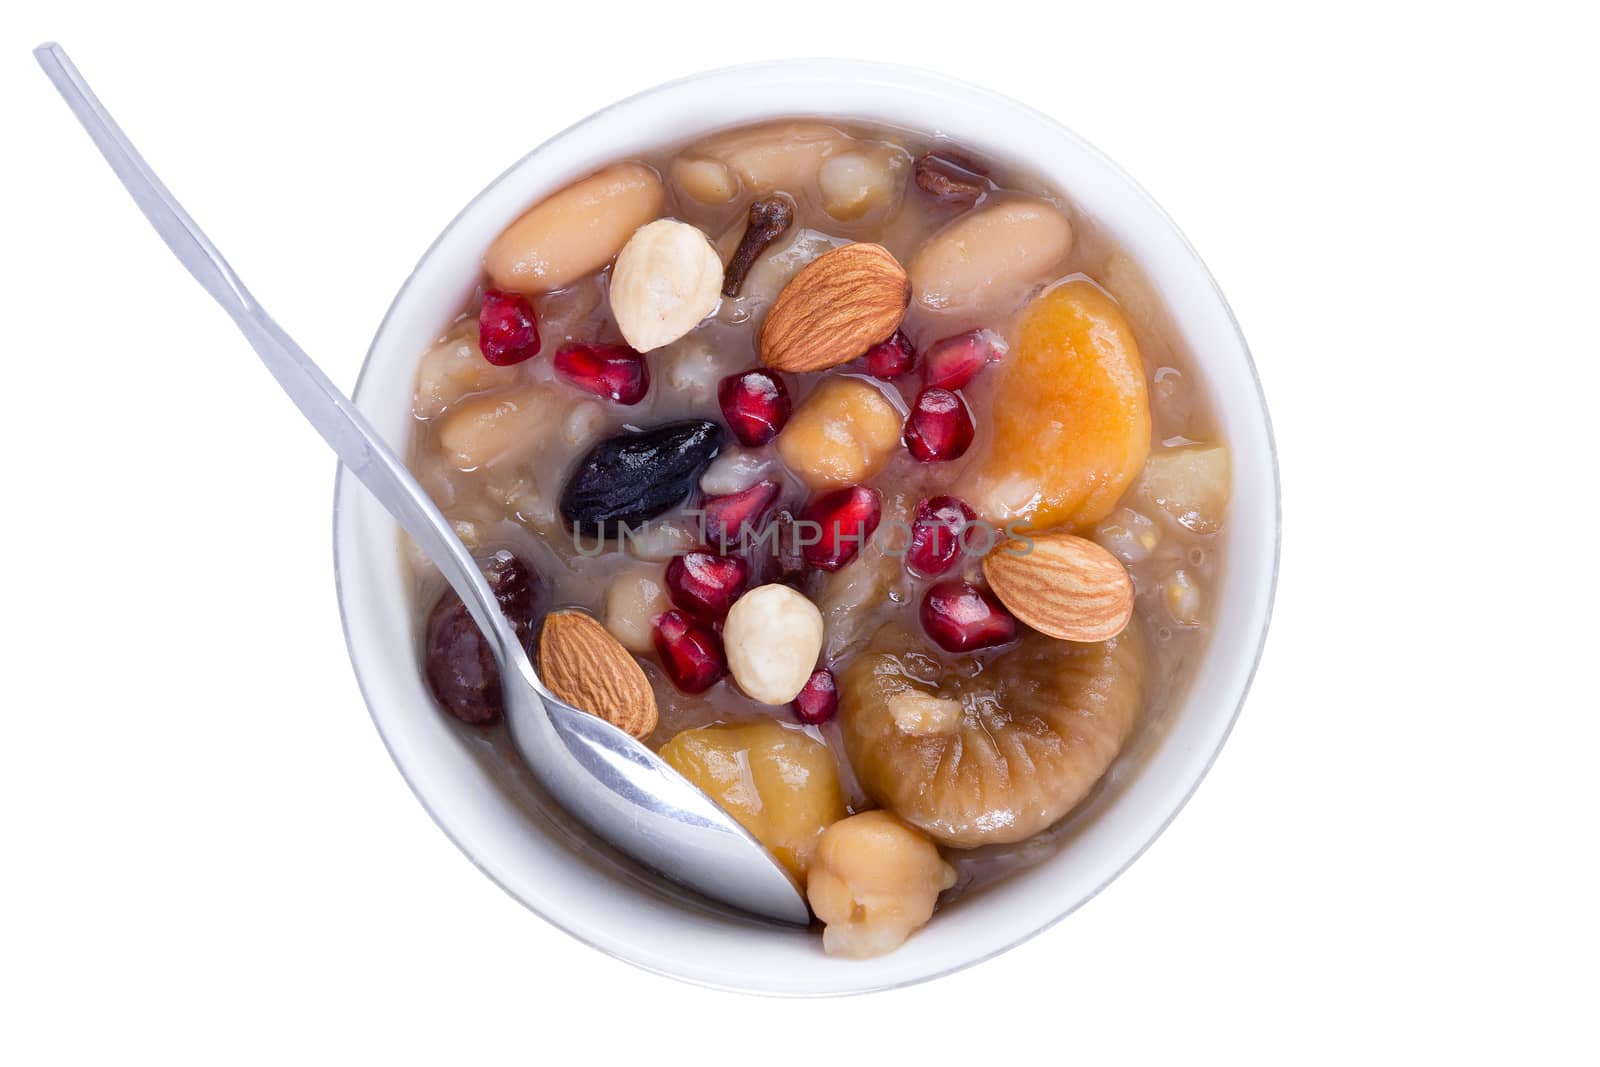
<point x="1070" y="413"/>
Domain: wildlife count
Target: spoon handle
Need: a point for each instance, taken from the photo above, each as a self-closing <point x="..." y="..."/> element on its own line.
<point x="338" y="421"/>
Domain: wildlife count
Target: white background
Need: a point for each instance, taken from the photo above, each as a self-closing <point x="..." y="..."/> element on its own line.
<point x="207" y="854"/>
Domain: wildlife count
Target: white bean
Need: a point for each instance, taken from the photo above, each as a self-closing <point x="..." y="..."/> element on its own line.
<point x="575" y="231"/>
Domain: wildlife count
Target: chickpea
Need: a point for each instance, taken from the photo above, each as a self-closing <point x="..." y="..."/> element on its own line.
<point x="874" y="881"/>
<point x="843" y="434"/>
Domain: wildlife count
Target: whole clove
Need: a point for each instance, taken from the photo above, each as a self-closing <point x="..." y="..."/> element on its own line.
<point x="769" y="218"/>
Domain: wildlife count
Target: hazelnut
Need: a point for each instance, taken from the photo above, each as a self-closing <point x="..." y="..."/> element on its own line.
<point x="667" y="279"/>
<point x="772" y="637"/>
<point x="874" y="881"/>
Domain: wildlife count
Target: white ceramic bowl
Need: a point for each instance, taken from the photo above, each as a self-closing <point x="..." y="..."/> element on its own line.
<point x="515" y="837"/>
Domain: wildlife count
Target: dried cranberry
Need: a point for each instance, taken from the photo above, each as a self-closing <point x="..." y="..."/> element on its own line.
<point x="615" y="372"/>
<point x="727" y="520"/>
<point x="690" y="651"/>
<point x="937" y="531"/>
<point x="507" y="330"/>
<point x="818" y="699"/>
<point x="939" y="427"/>
<point x="755" y="404"/>
<point x="952" y="362"/>
<point x="706" y="585"/>
<point x="891" y="358"/>
<point x="961" y="617"/>
<point x="461" y="668"/>
<point x="837" y="525"/>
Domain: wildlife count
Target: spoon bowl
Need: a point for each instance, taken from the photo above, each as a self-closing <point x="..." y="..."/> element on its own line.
<point x="623" y="792"/>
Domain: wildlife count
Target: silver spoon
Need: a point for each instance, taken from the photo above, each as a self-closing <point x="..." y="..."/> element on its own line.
<point x="618" y="788"/>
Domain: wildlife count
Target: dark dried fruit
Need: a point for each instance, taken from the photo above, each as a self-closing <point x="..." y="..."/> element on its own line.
<point x="950" y="179"/>
<point x="461" y="668"/>
<point x="507" y="330"/>
<point x="769" y="218"/>
<point x="630" y="479"/>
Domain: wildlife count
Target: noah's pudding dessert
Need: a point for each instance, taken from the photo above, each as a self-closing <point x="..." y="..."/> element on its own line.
<point x="863" y="479"/>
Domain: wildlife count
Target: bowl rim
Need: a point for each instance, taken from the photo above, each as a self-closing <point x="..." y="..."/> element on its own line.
<point x="927" y="79"/>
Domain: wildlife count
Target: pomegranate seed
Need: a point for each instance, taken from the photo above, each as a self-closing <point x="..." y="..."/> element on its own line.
<point x="616" y="372"/>
<point x="690" y="651"/>
<point x="891" y="358"/>
<point x="840" y="522"/>
<point x="962" y="617"/>
<point x="727" y="519"/>
<point x="706" y="585"/>
<point x="937" y="531"/>
<point x="507" y="330"/>
<point x="756" y="405"/>
<point x="939" y="427"/>
<point x="818" y="700"/>
<point x="952" y="362"/>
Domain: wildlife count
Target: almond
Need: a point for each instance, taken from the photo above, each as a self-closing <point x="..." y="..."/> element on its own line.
<point x="588" y="668"/>
<point x="838" y="306"/>
<point x="1062" y="585"/>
